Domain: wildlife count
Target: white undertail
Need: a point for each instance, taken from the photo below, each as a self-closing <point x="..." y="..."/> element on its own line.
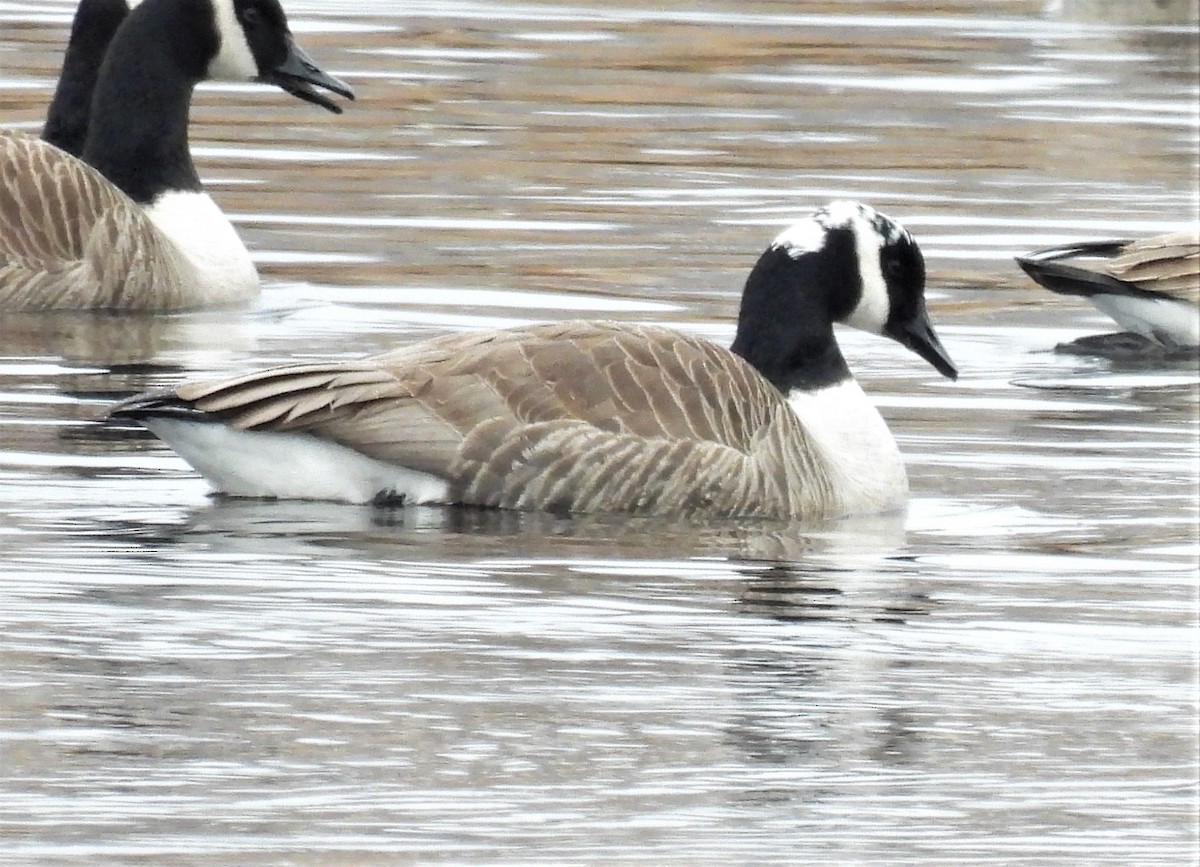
<point x="1163" y="319"/>
<point x="290" y="465"/>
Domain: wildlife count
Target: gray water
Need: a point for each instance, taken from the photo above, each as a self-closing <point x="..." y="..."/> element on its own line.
<point x="1005" y="674"/>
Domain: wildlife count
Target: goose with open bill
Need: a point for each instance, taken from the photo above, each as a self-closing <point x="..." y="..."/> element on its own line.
<point x="128" y="227"/>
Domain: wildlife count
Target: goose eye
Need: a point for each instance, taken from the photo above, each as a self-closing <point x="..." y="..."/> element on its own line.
<point x="251" y="15"/>
<point x="893" y="269"/>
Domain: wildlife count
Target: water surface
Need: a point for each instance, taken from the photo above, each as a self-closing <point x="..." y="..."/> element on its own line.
<point x="1005" y="674"/>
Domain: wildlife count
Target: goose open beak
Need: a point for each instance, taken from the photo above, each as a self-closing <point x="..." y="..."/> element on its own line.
<point x="918" y="335"/>
<point x="297" y="75"/>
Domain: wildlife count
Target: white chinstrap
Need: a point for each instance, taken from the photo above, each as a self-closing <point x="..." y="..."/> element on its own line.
<point x="809" y="236"/>
<point x="871" y="312"/>
<point x="234" y="60"/>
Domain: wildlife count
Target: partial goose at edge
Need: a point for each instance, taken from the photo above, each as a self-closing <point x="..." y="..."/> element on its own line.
<point x="1150" y="287"/>
<point x="594" y="416"/>
<point x="128" y="227"/>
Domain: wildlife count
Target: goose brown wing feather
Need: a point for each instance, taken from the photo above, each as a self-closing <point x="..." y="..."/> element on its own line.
<point x="1161" y="265"/>
<point x="1165" y="263"/>
<point x="577" y="416"/>
<point x="69" y="239"/>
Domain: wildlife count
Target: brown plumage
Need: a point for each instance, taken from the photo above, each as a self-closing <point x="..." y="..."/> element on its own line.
<point x="571" y="417"/>
<point x="70" y="240"/>
<point x="1150" y="287"/>
<point x="1168" y="264"/>
<point x="595" y="417"/>
<point x="127" y="226"/>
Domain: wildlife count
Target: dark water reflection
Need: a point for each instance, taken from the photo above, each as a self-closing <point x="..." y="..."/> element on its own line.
<point x="1005" y="674"/>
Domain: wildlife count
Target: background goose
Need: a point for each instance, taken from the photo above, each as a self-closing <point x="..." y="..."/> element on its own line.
<point x="594" y="417"/>
<point x="95" y="23"/>
<point x="1150" y="287"/>
<point x="129" y="226"/>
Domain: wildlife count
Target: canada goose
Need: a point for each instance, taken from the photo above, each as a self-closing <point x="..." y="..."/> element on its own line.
<point x="594" y="417"/>
<point x="92" y="29"/>
<point x="129" y="226"/>
<point x="1150" y="287"/>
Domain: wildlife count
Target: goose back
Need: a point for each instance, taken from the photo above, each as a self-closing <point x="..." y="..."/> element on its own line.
<point x="574" y="417"/>
<point x="70" y="239"/>
<point x="1163" y="266"/>
<point x="1150" y="286"/>
<point x="1169" y="264"/>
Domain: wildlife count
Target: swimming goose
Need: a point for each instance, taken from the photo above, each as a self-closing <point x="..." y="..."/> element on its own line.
<point x="1150" y="287"/>
<point x="594" y="416"/>
<point x="129" y="226"/>
<point x="92" y="29"/>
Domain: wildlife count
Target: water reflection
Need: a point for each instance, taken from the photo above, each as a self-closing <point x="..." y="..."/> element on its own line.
<point x="299" y="528"/>
<point x="1128" y="12"/>
<point x="91" y="339"/>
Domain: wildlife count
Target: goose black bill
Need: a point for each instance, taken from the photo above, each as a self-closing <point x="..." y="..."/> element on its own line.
<point x="300" y="77"/>
<point x="918" y="335"/>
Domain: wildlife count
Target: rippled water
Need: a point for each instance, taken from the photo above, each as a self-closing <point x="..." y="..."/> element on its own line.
<point x="1007" y="674"/>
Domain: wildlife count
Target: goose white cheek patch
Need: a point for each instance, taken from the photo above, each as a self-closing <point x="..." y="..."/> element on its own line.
<point x="871" y="232"/>
<point x="871" y="313"/>
<point x="234" y="60"/>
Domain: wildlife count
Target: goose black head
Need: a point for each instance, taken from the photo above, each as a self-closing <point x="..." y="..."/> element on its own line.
<point x="873" y="275"/>
<point x="256" y="43"/>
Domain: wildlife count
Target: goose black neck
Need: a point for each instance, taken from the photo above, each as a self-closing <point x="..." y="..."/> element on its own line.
<point x="138" y="129"/>
<point x="785" y="327"/>
<point x="67" y="120"/>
